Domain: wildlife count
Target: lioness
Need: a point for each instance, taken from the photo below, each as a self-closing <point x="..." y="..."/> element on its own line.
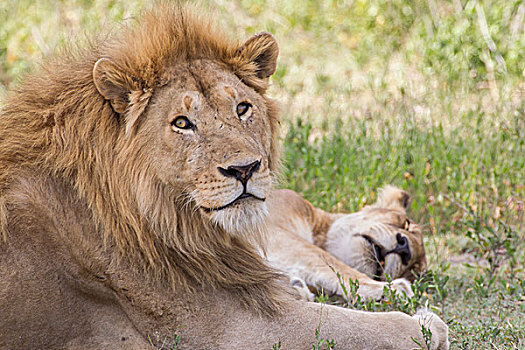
<point x="310" y="245"/>
<point x="133" y="182"/>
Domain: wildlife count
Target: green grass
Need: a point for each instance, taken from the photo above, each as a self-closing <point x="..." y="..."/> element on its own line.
<point x="425" y="95"/>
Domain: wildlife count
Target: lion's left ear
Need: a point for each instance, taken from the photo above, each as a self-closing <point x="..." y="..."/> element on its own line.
<point x="256" y="60"/>
<point x="261" y="50"/>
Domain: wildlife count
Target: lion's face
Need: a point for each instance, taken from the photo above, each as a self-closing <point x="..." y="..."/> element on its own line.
<point x="201" y="125"/>
<point x="393" y="251"/>
<point x="210" y="139"/>
<point x="380" y="239"/>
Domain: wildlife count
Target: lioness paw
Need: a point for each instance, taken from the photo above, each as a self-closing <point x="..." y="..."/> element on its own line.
<point x="301" y="289"/>
<point x="376" y="289"/>
<point x="401" y="286"/>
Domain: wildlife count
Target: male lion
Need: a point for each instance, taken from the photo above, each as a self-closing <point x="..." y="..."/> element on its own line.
<point x="133" y="178"/>
<point x="310" y="245"/>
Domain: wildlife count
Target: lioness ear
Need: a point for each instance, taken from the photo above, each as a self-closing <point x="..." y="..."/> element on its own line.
<point x="393" y="198"/>
<point x="404" y="200"/>
<point x="111" y="83"/>
<point x="262" y="51"/>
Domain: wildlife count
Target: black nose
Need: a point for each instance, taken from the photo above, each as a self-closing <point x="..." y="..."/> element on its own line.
<point x="402" y="248"/>
<point x="241" y="172"/>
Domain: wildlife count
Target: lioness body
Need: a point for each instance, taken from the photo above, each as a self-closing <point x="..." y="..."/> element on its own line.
<point x="132" y="184"/>
<point x="66" y="295"/>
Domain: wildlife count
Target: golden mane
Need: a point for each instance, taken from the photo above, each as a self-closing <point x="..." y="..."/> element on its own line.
<point x="56" y="124"/>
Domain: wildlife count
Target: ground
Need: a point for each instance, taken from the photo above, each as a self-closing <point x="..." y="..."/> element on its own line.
<point x="425" y="95"/>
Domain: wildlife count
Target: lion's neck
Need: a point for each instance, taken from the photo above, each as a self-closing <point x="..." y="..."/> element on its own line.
<point x="56" y="211"/>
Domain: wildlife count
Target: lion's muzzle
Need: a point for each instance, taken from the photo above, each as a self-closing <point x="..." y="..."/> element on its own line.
<point x="241" y="172"/>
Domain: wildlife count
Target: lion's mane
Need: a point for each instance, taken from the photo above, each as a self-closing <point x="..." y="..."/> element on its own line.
<point x="56" y="124"/>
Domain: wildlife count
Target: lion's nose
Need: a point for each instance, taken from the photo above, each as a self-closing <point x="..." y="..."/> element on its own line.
<point x="241" y="172"/>
<point x="402" y="248"/>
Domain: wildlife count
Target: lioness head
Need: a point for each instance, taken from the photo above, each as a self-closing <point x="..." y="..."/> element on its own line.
<point x="205" y="127"/>
<point x="380" y="239"/>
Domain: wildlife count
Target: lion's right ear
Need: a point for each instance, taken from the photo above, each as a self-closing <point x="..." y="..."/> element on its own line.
<point x="112" y="84"/>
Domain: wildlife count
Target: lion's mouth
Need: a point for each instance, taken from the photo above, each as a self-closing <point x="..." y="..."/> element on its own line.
<point x="379" y="257"/>
<point x="402" y="249"/>
<point x="241" y="197"/>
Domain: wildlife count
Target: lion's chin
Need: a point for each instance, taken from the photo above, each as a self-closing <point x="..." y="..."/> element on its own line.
<point x="246" y="219"/>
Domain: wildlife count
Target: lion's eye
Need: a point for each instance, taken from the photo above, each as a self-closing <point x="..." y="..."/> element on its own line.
<point x="243" y="108"/>
<point x="181" y="122"/>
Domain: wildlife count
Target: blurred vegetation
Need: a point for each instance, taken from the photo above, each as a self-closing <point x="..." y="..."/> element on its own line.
<point x="426" y="95"/>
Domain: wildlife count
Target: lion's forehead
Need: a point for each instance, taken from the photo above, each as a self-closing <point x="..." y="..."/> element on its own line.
<point x="203" y="84"/>
<point x="207" y="94"/>
<point x="192" y="100"/>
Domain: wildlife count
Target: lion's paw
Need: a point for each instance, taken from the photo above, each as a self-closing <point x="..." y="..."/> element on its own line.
<point x="301" y="289"/>
<point x="401" y="286"/>
<point x="433" y="329"/>
<point x="376" y="289"/>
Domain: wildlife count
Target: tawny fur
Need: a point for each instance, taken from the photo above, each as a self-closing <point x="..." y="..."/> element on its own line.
<point x="299" y="234"/>
<point x="57" y="122"/>
<point x="104" y="248"/>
